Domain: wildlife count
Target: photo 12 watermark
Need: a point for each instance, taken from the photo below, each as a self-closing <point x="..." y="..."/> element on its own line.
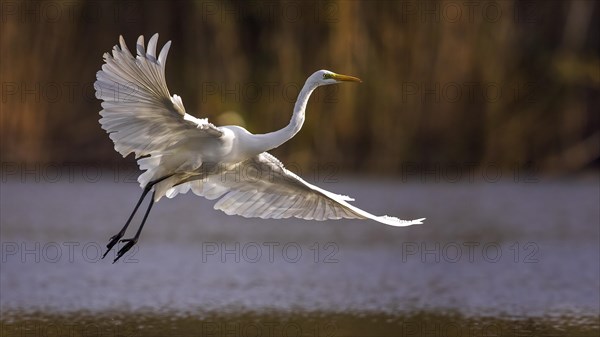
<point x="72" y="92"/>
<point x="269" y="252"/>
<point x="316" y="173"/>
<point x="470" y="252"/>
<point x="46" y="327"/>
<point x="48" y="92"/>
<point x="71" y="172"/>
<point x="267" y="328"/>
<point x="469" y="172"/>
<point x="469" y="92"/>
<point x="447" y="327"/>
<point x="31" y="252"/>
<point x="468" y="12"/>
<point x="314" y="12"/>
<point x="69" y="12"/>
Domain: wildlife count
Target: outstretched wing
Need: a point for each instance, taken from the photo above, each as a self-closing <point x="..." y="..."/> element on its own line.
<point x="138" y="112"/>
<point x="262" y="187"/>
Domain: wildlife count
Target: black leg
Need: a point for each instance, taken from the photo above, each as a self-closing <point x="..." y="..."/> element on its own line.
<point x="115" y="238"/>
<point x="133" y="241"/>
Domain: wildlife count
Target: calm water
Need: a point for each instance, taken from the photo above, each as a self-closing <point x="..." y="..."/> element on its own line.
<point x="492" y="259"/>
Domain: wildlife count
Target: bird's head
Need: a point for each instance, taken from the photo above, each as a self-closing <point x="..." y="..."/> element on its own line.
<point x="324" y="77"/>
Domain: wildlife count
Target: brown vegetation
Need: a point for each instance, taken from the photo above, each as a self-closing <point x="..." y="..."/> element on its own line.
<point x="444" y="82"/>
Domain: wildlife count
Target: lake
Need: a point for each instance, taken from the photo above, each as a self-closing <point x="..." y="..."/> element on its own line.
<point x="508" y="258"/>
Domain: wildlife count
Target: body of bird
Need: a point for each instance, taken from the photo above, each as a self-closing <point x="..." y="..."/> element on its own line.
<point x="180" y="152"/>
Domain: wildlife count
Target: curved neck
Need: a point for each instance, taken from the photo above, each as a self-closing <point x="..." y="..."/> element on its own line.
<point x="271" y="140"/>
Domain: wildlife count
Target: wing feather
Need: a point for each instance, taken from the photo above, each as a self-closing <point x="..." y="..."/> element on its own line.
<point x="138" y="111"/>
<point x="274" y="192"/>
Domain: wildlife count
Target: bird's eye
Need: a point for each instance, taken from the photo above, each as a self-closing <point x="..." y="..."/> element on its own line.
<point x="326" y="76"/>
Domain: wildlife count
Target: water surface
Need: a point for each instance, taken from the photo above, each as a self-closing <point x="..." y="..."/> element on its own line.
<point x="500" y="255"/>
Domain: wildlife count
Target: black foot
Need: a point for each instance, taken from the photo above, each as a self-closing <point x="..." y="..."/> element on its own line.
<point x="126" y="248"/>
<point x="113" y="241"/>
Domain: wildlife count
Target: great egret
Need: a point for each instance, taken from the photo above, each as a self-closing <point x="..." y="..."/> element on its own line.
<point x="180" y="152"/>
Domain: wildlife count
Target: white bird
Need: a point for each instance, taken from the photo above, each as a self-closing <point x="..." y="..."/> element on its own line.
<point x="180" y="152"/>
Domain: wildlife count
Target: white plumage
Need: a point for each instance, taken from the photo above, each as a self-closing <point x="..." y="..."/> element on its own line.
<point x="180" y="152"/>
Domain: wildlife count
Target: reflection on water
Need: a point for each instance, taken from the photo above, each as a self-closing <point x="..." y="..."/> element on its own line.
<point x="505" y="255"/>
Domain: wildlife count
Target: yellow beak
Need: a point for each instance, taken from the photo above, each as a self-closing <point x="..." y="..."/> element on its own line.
<point x="345" y="78"/>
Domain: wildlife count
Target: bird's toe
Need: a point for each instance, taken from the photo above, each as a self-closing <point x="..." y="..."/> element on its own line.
<point x="125" y="248"/>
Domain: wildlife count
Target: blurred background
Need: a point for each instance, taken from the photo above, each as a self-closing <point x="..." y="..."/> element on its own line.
<point x="480" y="116"/>
<point x="515" y="83"/>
